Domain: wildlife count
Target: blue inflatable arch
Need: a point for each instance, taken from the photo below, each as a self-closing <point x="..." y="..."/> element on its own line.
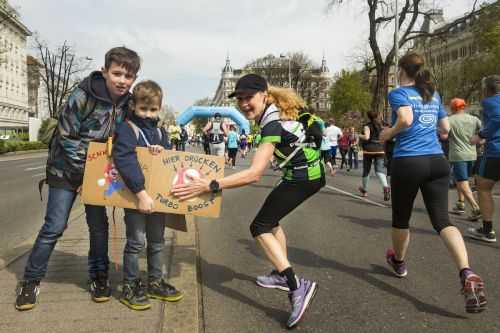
<point x="209" y="111"/>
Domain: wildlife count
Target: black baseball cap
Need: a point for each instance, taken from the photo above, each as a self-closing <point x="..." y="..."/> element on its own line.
<point x="249" y="84"/>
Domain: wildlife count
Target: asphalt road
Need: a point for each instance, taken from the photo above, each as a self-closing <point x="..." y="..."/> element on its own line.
<point x="21" y="211"/>
<point x="339" y="240"/>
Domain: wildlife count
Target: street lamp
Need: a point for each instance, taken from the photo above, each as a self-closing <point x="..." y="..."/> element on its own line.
<point x="396" y="45"/>
<point x="282" y="56"/>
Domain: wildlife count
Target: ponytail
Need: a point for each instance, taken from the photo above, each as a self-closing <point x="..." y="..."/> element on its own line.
<point x="413" y="65"/>
<point x="287" y="101"/>
<point x="424" y="85"/>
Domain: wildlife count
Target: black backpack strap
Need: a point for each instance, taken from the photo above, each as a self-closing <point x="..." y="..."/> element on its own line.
<point x="40" y="187"/>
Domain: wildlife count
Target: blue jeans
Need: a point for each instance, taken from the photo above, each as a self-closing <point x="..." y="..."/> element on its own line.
<point x="353" y="158"/>
<point x="59" y="206"/>
<point x="139" y="228"/>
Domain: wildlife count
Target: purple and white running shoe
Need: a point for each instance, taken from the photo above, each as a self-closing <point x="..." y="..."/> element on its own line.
<point x="399" y="269"/>
<point x="273" y="280"/>
<point x="300" y="300"/>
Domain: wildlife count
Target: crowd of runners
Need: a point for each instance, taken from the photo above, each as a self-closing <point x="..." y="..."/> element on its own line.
<point x="408" y="151"/>
<point x="300" y="144"/>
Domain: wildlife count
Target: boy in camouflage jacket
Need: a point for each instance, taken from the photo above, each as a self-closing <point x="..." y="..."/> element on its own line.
<point x="92" y="112"/>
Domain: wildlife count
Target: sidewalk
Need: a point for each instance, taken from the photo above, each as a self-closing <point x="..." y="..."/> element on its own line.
<point x="64" y="303"/>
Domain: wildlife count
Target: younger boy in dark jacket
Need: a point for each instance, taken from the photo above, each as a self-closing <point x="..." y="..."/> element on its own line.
<point x="140" y="130"/>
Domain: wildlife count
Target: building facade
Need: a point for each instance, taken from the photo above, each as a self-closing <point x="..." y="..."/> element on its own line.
<point x="447" y="50"/>
<point x="314" y="90"/>
<point x="14" y="108"/>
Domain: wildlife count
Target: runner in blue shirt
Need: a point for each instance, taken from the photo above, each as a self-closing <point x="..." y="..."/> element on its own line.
<point x="489" y="169"/>
<point x="232" y="146"/>
<point x="418" y="163"/>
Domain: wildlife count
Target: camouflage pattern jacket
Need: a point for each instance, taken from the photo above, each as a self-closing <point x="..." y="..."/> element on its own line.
<point x="88" y="115"/>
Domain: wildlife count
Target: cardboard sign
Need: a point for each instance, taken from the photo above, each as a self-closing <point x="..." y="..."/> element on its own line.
<point x="103" y="186"/>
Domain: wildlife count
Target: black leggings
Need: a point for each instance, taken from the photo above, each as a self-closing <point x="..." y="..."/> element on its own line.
<point x="368" y="159"/>
<point x="281" y="201"/>
<point x="430" y="174"/>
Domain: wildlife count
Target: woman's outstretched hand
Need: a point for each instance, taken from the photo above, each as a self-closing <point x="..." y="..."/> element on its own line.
<point x="194" y="188"/>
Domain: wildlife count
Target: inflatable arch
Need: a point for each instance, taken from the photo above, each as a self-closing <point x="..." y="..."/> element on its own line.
<point x="209" y="111"/>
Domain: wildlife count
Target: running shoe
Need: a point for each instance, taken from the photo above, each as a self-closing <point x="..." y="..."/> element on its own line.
<point x="134" y="295"/>
<point x="160" y="289"/>
<point x="480" y="234"/>
<point x="363" y="192"/>
<point x="387" y="193"/>
<point x="27" y="294"/>
<point x="459" y="208"/>
<point x="399" y="269"/>
<point x="300" y="300"/>
<point x="273" y="280"/>
<point x="475" y="215"/>
<point x="99" y="288"/>
<point x="473" y="291"/>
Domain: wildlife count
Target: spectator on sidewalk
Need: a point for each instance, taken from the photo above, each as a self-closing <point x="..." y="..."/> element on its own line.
<point x="140" y="130"/>
<point x="462" y="155"/>
<point x="489" y="170"/>
<point x="91" y="113"/>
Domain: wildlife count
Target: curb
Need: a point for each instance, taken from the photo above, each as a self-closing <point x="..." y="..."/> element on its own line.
<point x="183" y="273"/>
<point x="24" y="152"/>
<point x="24" y="247"/>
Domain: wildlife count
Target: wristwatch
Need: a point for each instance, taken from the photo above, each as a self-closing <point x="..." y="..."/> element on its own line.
<point x="214" y="186"/>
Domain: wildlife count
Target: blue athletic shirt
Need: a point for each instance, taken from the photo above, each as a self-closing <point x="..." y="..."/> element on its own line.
<point x="232" y="140"/>
<point x="491" y="123"/>
<point x="421" y="138"/>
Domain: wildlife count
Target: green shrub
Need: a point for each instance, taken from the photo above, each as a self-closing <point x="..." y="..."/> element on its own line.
<point x="11" y="146"/>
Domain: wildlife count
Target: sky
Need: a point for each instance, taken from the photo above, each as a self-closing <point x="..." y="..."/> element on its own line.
<point x="183" y="44"/>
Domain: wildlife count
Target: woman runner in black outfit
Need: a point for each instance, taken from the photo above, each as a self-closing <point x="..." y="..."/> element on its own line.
<point x="276" y="111"/>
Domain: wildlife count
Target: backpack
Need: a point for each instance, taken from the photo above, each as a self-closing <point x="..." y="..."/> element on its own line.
<point x="373" y="143"/>
<point x="138" y="132"/>
<point x="311" y="138"/>
<point x="313" y="126"/>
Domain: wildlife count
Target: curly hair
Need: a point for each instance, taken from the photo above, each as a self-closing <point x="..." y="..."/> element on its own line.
<point x="287" y="101"/>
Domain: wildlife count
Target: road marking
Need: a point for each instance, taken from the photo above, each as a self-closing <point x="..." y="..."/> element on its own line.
<point x="333" y="188"/>
<point x="38" y="175"/>
<point x="35" y="168"/>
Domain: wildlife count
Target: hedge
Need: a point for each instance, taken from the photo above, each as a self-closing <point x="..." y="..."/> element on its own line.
<point x="9" y="146"/>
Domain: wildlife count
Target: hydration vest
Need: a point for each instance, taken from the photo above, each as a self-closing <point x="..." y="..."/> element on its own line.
<point x="216" y="132"/>
<point x="304" y="128"/>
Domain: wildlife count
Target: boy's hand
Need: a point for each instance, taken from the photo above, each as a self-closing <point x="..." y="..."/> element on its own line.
<point x="145" y="202"/>
<point x="155" y="149"/>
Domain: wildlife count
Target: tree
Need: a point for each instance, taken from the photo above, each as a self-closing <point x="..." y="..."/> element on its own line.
<point x="380" y="15"/>
<point x="199" y="122"/>
<point x="350" y="97"/>
<point x="60" y="69"/>
<point x="277" y="69"/>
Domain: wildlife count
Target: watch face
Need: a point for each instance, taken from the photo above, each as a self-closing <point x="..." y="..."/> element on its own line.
<point x="214" y="185"/>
